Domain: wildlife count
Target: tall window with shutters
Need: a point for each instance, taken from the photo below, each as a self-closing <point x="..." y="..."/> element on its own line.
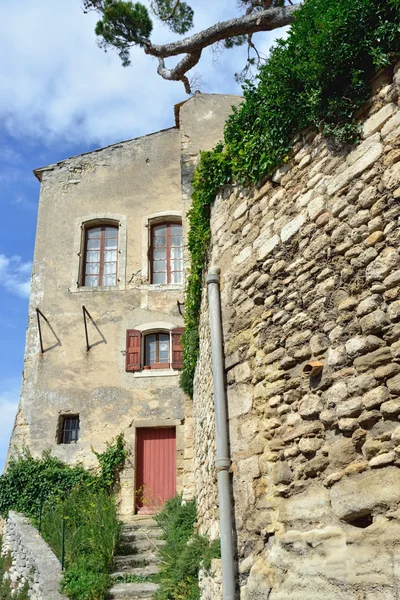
<point x="166" y="253"/>
<point x="155" y="350"/>
<point x="100" y="256"/>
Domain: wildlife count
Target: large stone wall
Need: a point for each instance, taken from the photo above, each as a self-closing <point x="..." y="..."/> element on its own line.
<point x="32" y="560"/>
<point x="310" y="267"/>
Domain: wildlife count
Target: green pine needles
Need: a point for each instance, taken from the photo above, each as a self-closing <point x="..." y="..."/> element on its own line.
<point x="318" y="76"/>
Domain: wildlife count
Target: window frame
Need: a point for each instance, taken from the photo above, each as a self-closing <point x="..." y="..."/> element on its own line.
<point x="102" y="250"/>
<point x="63" y="420"/>
<point x="167" y="223"/>
<point x="135" y="348"/>
<point x="157" y="364"/>
<point x="81" y="224"/>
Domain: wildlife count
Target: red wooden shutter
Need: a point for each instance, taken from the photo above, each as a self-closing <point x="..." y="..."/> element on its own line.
<point x="177" y="348"/>
<point x="133" y="350"/>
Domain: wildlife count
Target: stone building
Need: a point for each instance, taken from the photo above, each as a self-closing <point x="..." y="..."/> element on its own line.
<point x="103" y="348"/>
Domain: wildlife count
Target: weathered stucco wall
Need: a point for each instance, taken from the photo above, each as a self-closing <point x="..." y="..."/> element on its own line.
<point x="32" y="560"/>
<point x="311" y="272"/>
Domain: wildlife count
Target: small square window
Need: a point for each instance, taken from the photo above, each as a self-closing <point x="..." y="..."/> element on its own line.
<point x="69" y="429"/>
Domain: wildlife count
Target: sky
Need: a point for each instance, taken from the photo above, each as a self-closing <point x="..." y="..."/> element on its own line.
<point x="61" y="95"/>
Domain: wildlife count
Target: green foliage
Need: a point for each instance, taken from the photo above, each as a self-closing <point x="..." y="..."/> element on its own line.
<point x="83" y="500"/>
<point x="184" y="552"/>
<point x="6" y="592"/>
<point x="179" y="19"/>
<point x="92" y="531"/>
<point x="28" y="480"/>
<point x="123" y="24"/>
<point x="111" y="461"/>
<point x="318" y="76"/>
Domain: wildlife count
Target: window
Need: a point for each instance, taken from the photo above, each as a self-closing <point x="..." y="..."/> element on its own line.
<point x="69" y="429"/>
<point x="156" y="351"/>
<point x="166" y="253"/>
<point x="100" y="256"/>
<point x="159" y="349"/>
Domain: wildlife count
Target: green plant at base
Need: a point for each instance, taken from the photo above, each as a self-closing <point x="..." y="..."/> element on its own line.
<point x="83" y="501"/>
<point x="318" y="76"/>
<point x="184" y="552"/>
<point x="6" y="592"/>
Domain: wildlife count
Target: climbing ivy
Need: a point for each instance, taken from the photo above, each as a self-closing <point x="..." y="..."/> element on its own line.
<point x="318" y="76"/>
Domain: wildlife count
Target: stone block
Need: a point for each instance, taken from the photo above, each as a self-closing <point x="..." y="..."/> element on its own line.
<point x="373" y="359"/>
<point x="364" y="157"/>
<point x="311" y="505"/>
<point x="391" y="177"/>
<point x="378" y="119"/>
<point x="369" y="304"/>
<point x="291" y="228"/>
<point x="267" y="247"/>
<point x="349" y="408"/>
<point x="375" y="397"/>
<point x="374" y="322"/>
<point x="394" y="311"/>
<point x="316" y="207"/>
<point x="357" y="495"/>
<point x="394" y="385"/>
<point x="310" y="406"/>
<point x="391" y="408"/>
<point x="381" y="267"/>
<point x="240" y="400"/>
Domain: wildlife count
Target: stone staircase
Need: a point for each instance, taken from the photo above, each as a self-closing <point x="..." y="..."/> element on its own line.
<point x="137" y="558"/>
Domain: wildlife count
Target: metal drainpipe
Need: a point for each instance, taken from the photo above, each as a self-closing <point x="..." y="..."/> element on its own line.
<point x="222" y="460"/>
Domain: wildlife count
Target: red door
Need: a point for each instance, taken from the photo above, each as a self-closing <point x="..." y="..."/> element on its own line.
<point x="155" y="468"/>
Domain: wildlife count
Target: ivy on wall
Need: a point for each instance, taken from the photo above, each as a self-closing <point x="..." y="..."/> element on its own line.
<point x="318" y="76"/>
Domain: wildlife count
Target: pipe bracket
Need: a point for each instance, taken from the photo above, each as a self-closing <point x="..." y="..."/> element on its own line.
<point x="222" y="464"/>
<point x="213" y="275"/>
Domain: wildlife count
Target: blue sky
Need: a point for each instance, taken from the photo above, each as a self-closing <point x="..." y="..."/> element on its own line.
<point x="61" y="95"/>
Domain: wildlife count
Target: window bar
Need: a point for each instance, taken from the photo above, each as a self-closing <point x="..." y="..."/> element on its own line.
<point x="38" y="315"/>
<point x="86" y="315"/>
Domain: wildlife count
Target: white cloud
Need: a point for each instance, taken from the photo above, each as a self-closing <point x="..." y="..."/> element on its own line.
<point x="58" y="85"/>
<point x="9" y="397"/>
<point x="15" y="275"/>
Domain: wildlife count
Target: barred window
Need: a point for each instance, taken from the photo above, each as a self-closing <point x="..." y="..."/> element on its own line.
<point x="69" y="430"/>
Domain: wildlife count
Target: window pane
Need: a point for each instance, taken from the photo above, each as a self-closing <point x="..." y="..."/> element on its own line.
<point x="176" y="229"/>
<point x="176" y="277"/>
<point x="160" y="242"/>
<point x="176" y="240"/>
<point x="159" y="230"/>
<point x="92" y="281"/>
<point x="109" y="280"/>
<point x="92" y="256"/>
<point x="93" y="244"/>
<point x="159" y="253"/>
<point x="150" y="349"/>
<point x="110" y="256"/>
<point x="159" y="266"/>
<point x="92" y="268"/>
<point x="159" y="278"/>
<point x="93" y="232"/>
<point x="111" y="232"/>
<point x="176" y="252"/>
<point x="176" y="265"/>
<point x="110" y="268"/>
<point x="110" y="243"/>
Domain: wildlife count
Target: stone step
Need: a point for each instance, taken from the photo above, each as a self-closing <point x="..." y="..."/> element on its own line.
<point x="137" y="534"/>
<point x="123" y="563"/>
<point x="139" y="546"/>
<point x="146" y="571"/>
<point x="140" y="521"/>
<point x="132" y="591"/>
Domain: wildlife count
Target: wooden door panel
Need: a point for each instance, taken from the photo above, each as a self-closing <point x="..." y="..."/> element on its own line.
<point x="155" y="467"/>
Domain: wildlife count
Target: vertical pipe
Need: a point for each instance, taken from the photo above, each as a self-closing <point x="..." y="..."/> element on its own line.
<point x="38" y="313"/>
<point x="222" y="460"/>
<point x="40" y="511"/>
<point x="84" y="311"/>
